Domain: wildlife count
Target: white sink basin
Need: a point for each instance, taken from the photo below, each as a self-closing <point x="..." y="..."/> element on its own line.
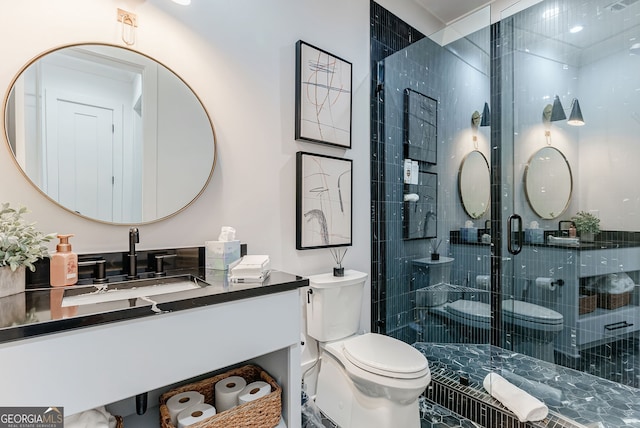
<point x="131" y="290"/>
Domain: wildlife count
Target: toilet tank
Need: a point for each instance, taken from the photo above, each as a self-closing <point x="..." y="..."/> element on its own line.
<point x="333" y="305"/>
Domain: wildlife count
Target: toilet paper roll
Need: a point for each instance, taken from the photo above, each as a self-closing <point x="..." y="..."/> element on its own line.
<point x="227" y="391"/>
<point x="483" y="282"/>
<point x="194" y="414"/>
<point x="253" y="391"/>
<point x="182" y="401"/>
<point x="546" y="283"/>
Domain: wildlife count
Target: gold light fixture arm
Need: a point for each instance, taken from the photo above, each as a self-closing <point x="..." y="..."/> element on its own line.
<point x="131" y="20"/>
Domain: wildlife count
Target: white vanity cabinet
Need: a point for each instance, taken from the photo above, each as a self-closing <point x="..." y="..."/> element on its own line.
<point x="573" y="266"/>
<point x="83" y="368"/>
<point x="602" y="325"/>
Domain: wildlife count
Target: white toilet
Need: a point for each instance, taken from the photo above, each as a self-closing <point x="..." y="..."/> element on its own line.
<point x="472" y="318"/>
<point x="364" y="381"/>
<point x="532" y="327"/>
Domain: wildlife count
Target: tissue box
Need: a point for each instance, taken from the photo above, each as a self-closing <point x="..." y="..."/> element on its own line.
<point x="469" y="234"/>
<point x="220" y="254"/>
<point x="534" y="236"/>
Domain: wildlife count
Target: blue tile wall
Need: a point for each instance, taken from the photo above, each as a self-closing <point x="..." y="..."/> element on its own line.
<point x="459" y="86"/>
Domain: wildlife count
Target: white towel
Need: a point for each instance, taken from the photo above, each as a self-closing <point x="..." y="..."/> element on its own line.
<point x="94" y="418"/>
<point x="525" y="406"/>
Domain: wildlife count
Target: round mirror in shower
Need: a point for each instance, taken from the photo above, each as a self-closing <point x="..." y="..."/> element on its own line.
<point x="474" y="184"/>
<point x="548" y="183"/>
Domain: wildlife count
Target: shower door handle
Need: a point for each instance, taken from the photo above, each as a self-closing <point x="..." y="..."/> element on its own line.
<point x="514" y="244"/>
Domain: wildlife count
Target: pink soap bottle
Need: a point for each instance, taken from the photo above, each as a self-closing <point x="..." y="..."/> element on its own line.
<point x="64" y="264"/>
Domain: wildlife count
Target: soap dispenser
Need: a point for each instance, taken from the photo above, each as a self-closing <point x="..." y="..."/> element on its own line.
<point x="64" y="264"/>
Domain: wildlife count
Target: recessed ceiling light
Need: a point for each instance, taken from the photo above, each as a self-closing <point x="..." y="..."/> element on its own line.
<point x="183" y="2"/>
<point x="576" y="29"/>
<point x="551" y="13"/>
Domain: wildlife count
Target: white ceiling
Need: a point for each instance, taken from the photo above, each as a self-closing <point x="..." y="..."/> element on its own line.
<point x="611" y="28"/>
<point x="448" y="11"/>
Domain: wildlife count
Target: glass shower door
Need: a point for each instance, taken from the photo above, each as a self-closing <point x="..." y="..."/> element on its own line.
<point x="566" y="87"/>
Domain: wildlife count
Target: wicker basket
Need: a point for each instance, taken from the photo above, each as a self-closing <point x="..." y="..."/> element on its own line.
<point x="119" y="422"/>
<point x="613" y="301"/>
<point x="587" y="304"/>
<point x="263" y="412"/>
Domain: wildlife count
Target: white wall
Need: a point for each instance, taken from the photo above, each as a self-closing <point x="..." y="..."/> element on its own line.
<point x="609" y="149"/>
<point x="538" y="80"/>
<point x="239" y="57"/>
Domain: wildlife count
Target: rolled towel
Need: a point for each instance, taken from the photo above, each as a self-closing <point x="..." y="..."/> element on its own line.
<point x="545" y="392"/>
<point x="94" y="418"/>
<point x="525" y="406"/>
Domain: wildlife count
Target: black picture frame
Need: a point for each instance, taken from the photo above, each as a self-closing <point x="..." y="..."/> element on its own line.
<point x="323" y="97"/>
<point x="324" y="209"/>
<point x="420" y="127"/>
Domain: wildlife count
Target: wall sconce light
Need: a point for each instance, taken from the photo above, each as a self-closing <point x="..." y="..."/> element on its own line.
<point x="555" y="112"/>
<point x="478" y="119"/>
<point x="486" y="116"/>
<point x="575" y="118"/>
<point x="483" y="119"/>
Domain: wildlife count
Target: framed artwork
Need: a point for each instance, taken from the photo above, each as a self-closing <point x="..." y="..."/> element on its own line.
<point x="323" y="97"/>
<point x="420" y="210"/>
<point x="420" y="127"/>
<point x="323" y="201"/>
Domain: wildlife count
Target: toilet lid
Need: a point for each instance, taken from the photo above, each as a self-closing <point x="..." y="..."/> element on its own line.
<point x="530" y="312"/>
<point x="470" y="309"/>
<point x="385" y="356"/>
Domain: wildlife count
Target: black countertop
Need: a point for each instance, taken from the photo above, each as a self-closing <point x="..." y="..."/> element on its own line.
<point x="41" y="311"/>
<point x="604" y="240"/>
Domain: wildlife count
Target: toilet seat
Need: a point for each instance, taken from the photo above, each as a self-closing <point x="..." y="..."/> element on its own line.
<point x="528" y="312"/>
<point x="385" y="356"/>
<point x="472" y="311"/>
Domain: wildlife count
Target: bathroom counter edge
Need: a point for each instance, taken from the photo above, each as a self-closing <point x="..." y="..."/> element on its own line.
<point x="277" y="282"/>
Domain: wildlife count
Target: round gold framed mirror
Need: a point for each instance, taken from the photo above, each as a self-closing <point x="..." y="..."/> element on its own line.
<point x="548" y="183"/>
<point x="109" y="134"/>
<point x="474" y="184"/>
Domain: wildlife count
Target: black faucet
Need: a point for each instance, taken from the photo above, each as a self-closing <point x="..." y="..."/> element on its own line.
<point x="134" y="238"/>
<point x="158" y="263"/>
<point x="561" y="231"/>
<point x="561" y="222"/>
<point x="99" y="269"/>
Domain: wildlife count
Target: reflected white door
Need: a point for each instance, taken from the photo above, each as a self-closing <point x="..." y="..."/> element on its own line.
<point x="79" y="147"/>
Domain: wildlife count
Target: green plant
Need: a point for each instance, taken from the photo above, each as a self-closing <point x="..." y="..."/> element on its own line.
<point x="586" y="222"/>
<point x="20" y="243"/>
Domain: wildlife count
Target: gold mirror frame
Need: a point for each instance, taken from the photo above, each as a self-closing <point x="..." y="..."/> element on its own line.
<point x="179" y="79"/>
<point x="545" y="184"/>
<point x="475" y="180"/>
